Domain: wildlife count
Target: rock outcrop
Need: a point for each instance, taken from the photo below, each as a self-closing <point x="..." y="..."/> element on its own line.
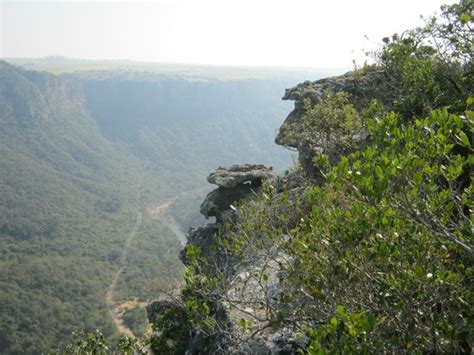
<point x="250" y="174"/>
<point x="362" y="87"/>
<point x="234" y="183"/>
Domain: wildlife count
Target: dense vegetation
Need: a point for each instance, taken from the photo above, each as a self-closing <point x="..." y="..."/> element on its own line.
<point x="369" y="247"/>
<point x="57" y="174"/>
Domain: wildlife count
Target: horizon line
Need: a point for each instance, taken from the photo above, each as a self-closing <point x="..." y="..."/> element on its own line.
<point x="150" y="62"/>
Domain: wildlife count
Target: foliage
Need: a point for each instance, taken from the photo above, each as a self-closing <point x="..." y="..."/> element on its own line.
<point x="333" y="124"/>
<point x="95" y="343"/>
<point x="171" y="333"/>
<point x="136" y="320"/>
<point x="384" y="236"/>
<point x="344" y="333"/>
<point x="431" y="67"/>
<point x="197" y="286"/>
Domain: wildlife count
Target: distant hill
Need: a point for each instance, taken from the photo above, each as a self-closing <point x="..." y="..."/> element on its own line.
<point x="61" y="65"/>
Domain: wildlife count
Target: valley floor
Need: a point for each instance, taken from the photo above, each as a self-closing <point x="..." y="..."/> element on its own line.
<point x="117" y="308"/>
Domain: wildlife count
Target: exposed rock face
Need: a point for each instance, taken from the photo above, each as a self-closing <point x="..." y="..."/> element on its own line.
<point x="220" y="200"/>
<point x="251" y="174"/>
<point x="363" y="87"/>
<point x="235" y="183"/>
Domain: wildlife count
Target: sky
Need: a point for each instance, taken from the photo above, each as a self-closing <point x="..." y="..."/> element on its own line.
<point x="288" y="33"/>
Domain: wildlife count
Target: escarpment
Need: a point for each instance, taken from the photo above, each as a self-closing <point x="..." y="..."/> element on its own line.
<point x="237" y="284"/>
<point x="363" y="86"/>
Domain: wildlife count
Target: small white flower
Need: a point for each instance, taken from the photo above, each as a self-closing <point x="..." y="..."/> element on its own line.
<point x="429" y="275"/>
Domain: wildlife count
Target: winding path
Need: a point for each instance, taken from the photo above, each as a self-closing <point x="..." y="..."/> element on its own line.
<point x="109" y="298"/>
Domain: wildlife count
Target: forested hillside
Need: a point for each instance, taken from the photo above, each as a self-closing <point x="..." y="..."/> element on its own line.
<point x="66" y="200"/>
<point x="76" y="151"/>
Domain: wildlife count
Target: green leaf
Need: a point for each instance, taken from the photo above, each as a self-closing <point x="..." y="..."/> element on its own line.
<point x="340" y="310"/>
<point x="379" y="172"/>
<point x="418" y="178"/>
<point x="465" y="18"/>
<point x="464" y="139"/>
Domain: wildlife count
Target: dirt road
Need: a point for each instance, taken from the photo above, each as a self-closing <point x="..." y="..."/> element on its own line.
<point x="109" y="297"/>
<point x="116" y="309"/>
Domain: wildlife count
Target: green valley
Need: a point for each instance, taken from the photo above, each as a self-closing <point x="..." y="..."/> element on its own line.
<point x="73" y="149"/>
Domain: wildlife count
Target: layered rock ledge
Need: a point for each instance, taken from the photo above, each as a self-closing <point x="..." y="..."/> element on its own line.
<point x="251" y="174"/>
<point x="234" y="183"/>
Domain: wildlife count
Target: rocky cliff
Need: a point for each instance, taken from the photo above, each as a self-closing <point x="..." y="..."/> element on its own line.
<point x="361" y="86"/>
<point x="242" y="294"/>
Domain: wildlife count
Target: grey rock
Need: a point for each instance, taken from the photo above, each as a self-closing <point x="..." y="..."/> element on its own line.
<point x="221" y="200"/>
<point x="201" y="237"/>
<point x="234" y="183"/>
<point x="251" y="174"/>
<point x="362" y="87"/>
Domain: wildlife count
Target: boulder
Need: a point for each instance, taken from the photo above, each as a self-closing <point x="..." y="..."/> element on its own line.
<point x="251" y="174"/>
<point x="221" y="200"/>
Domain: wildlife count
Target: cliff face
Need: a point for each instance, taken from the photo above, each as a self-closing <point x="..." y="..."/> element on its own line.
<point x="362" y="87"/>
<point x="242" y="294"/>
<point x="57" y="172"/>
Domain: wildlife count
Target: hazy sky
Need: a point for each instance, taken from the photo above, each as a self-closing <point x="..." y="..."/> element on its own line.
<point x="309" y="33"/>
